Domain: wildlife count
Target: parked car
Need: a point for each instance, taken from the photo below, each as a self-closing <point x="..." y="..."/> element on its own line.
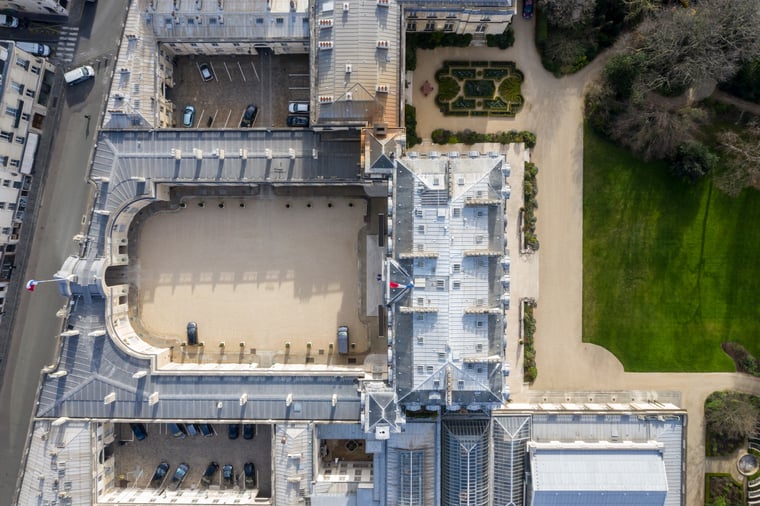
<point x="34" y="48"/>
<point x="206" y="429"/>
<point x="192" y="429"/>
<point x="297" y="121"/>
<point x="8" y="21"/>
<point x="176" y="430"/>
<point x="188" y="118"/>
<point x="250" y="475"/>
<point x="180" y="474"/>
<point x="206" y="73"/>
<point x="139" y="431"/>
<point x="228" y="474"/>
<point x="342" y="339"/>
<point x="249" y="116"/>
<point x="192" y="333"/>
<point x="298" y="108"/>
<point x="527" y="9"/>
<point x="209" y="473"/>
<point x="233" y="430"/>
<point x="249" y="430"/>
<point x="160" y="472"/>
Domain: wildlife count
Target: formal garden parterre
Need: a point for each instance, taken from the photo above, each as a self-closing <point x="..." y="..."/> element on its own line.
<point x="479" y="88"/>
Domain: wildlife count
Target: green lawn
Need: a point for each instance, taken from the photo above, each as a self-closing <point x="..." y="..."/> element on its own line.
<point x="670" y="270"/>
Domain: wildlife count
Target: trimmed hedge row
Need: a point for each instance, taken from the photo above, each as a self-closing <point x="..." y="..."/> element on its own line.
<point x="443" y="136"/>
<point x="410" y="120"/>
<point x="530" y="191"/>
<point x="529" y="351"/>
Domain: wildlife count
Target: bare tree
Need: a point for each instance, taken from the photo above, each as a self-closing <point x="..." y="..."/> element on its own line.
<point x="567" y="13"/>
<point x="741" y="159"/>
<point x="636" y="8"/>
<point x="654" y="132"/>
<point x="731" y="415"/>
<point x="682" y="46"/>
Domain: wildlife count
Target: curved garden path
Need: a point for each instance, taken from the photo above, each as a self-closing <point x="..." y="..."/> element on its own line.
<point x="554" y="111"/>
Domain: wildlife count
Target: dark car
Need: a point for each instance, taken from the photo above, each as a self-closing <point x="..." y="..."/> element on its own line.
<point x="206" y="73"/>
<point x="208" y="474"/>
<point x="176" y="430"/>
<point x="206" y="429"/>
<point x="160" y="473"/>
<point x="249" y="116"/>
<point x="139" y="431"/>
<point x="527" y="9"/>
<point x="192" y="333"/>
<point x="249" y="430"/>
<point x="180" y="474"/>
<point x="297" y="121"/>
<point x="233" y="430"/>
<point x="250" y="475"/>
<point x="228" y="474"/>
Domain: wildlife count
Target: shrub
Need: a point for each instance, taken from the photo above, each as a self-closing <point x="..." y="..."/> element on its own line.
<point x="448" y="88"/>
<point x="529" y="352"/>
<point x="530" y="191"/>
<point x="693" y="161"/>
<point x="441" y="136"/>
<point x="745" y="362"/>
<point x="410" y="119"/>
<point x="620" y="73"/>
<point x="503" y="40"/>
<point x="509" y="89"/>
<point x="470" y="137"/>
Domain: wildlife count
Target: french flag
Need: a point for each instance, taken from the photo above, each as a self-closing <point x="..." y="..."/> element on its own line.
<point x="31" y="284"/>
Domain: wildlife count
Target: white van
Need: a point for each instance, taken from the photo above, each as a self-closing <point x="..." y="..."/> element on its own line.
<point x="34" y="48"/>
<point x="79" y="74"/>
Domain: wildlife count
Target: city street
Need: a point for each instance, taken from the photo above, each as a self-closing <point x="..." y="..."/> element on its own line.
<point x="71" y="123"/>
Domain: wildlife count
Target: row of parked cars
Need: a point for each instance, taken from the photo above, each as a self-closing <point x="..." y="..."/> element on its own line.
<point x="228" y="475"/>
<point x="182" y="430"/>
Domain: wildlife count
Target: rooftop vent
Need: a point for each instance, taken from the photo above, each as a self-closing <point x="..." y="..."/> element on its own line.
<point x="380" y="129"/>
<point x="325" y="44"/>
<point x="349" y="95"/>
<point x="325" y="99"/>
<point x="325" y="23"/>
<point x="383" y="3"/>
<point x="346" y="6"/>
<point x="349" y="68"/>
<point x="382" y="88"/>
<point x="383" y="44"/>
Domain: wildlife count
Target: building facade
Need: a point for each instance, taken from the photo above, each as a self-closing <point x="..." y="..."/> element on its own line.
<point x="24" y="95"/>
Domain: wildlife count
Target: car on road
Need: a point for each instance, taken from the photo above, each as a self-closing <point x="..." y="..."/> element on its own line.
<point x="209" y="473"/>
<point x="180" y="474"/>
<point x="188" y="118"/>
<point x="527" y="9"/>
<point x="192" y="333"/>
<point x="249" y="430"/>
<point x="249" y="470"/>
<point x="297" y="121"/>
<point x="160" y="472"/>
<point x="79" y="75"/>
<point x="139" y="431"/>
<point x="249" y="116"/>
<point x="298" y="108"/>
<point x="228" y="474"/>
<point x="7" y="21"/>
<point x="34" y="48"/>
<point x="206" y="73"/>
<point x="233" y="430"/>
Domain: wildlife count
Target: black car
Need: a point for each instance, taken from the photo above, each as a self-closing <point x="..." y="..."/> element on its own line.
<point x="208" y="474"/>
<point x="249" y="430"/>
<point x="250" y="475"/>
<point x="249" y="116"/>
<point x="233" y="430"/>
<point x="228" y="474"/>
<point x="139" y="431"/>
<point x="297" y="121"/>
<point x="192" y="333"/>
<point x="160" y="473"/>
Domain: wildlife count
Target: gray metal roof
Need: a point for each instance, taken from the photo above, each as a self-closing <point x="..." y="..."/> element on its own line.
<point x="356" y="50"/>
<point x="604" y="476"/>
<point x="95" y="367"/>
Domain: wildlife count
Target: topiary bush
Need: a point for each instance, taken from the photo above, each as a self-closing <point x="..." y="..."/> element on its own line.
<point x="448" y="88"/>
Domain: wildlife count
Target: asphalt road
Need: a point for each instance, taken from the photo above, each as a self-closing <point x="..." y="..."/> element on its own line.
<point x="61" y="205"/>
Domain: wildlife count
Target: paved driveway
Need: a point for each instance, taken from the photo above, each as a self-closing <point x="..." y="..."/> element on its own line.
<point x="554" y="111"/>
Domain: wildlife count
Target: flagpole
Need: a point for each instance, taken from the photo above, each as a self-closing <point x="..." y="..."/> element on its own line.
<point x="32" y="283"/>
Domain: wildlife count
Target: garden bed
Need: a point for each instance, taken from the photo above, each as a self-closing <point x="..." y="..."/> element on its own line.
<point x="496" y="83"/>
